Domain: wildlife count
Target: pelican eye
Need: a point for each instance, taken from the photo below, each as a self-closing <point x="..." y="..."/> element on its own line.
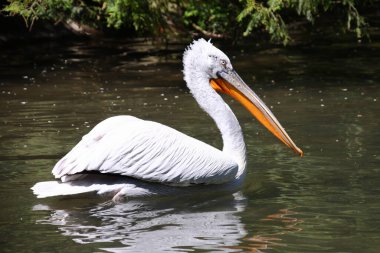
<point x="224" y="63"/>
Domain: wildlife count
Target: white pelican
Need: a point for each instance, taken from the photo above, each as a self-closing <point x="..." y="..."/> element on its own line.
<point x="151" y="158"/>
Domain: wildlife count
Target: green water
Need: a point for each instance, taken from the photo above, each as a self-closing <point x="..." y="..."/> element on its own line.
<point x="327" y="97"/>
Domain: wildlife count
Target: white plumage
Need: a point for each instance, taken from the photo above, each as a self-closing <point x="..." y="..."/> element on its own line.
<point x="151" y="158"/>
<point x="146" y="150"/>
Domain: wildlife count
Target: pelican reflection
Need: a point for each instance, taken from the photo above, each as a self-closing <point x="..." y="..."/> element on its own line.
<point x="160" y="225"/>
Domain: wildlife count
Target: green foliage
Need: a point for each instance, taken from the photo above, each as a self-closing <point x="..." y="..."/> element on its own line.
<point x="265" y="16"/>
<point x="97" y="13"/>
<point x="120" y="12"/>
<point x="311" y="9"/>
<point x="31" y="10"/>
<point x="214" y="18"/>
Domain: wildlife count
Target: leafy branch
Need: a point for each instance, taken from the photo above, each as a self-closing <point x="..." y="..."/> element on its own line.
<point x="213" y="18"/>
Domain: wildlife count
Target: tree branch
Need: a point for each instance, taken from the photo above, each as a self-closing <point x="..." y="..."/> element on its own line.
<point x="207" y="33"/>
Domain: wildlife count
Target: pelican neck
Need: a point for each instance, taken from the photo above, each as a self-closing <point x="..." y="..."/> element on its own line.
<point x="226" y="121"/>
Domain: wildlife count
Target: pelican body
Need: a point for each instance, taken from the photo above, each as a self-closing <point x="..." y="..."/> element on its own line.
<point x="126" y="157"/>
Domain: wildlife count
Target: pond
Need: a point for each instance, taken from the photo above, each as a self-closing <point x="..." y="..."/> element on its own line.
<point x="327" y="97"/>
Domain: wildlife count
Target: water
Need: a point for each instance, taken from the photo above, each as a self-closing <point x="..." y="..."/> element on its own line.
<point x="327" y="97"/>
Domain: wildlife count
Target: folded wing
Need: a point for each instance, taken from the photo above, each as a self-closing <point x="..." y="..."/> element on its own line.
<point x="148" y="151"/>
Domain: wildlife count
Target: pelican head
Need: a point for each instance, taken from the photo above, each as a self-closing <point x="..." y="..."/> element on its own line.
<point x="204" y="61"/>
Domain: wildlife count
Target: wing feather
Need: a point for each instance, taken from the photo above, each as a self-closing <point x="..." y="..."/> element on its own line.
<point x="146" y="150"/>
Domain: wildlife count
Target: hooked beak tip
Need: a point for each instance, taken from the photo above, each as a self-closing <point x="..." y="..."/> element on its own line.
<point x="300" y="152"/>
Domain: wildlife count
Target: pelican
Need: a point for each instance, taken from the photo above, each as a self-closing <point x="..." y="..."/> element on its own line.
<point x="137" y="158"/>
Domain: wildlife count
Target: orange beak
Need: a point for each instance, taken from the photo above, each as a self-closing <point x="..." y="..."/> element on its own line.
<point x="230" y="83"/>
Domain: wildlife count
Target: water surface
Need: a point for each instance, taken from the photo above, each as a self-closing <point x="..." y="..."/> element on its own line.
<point x="327" y="97"/>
